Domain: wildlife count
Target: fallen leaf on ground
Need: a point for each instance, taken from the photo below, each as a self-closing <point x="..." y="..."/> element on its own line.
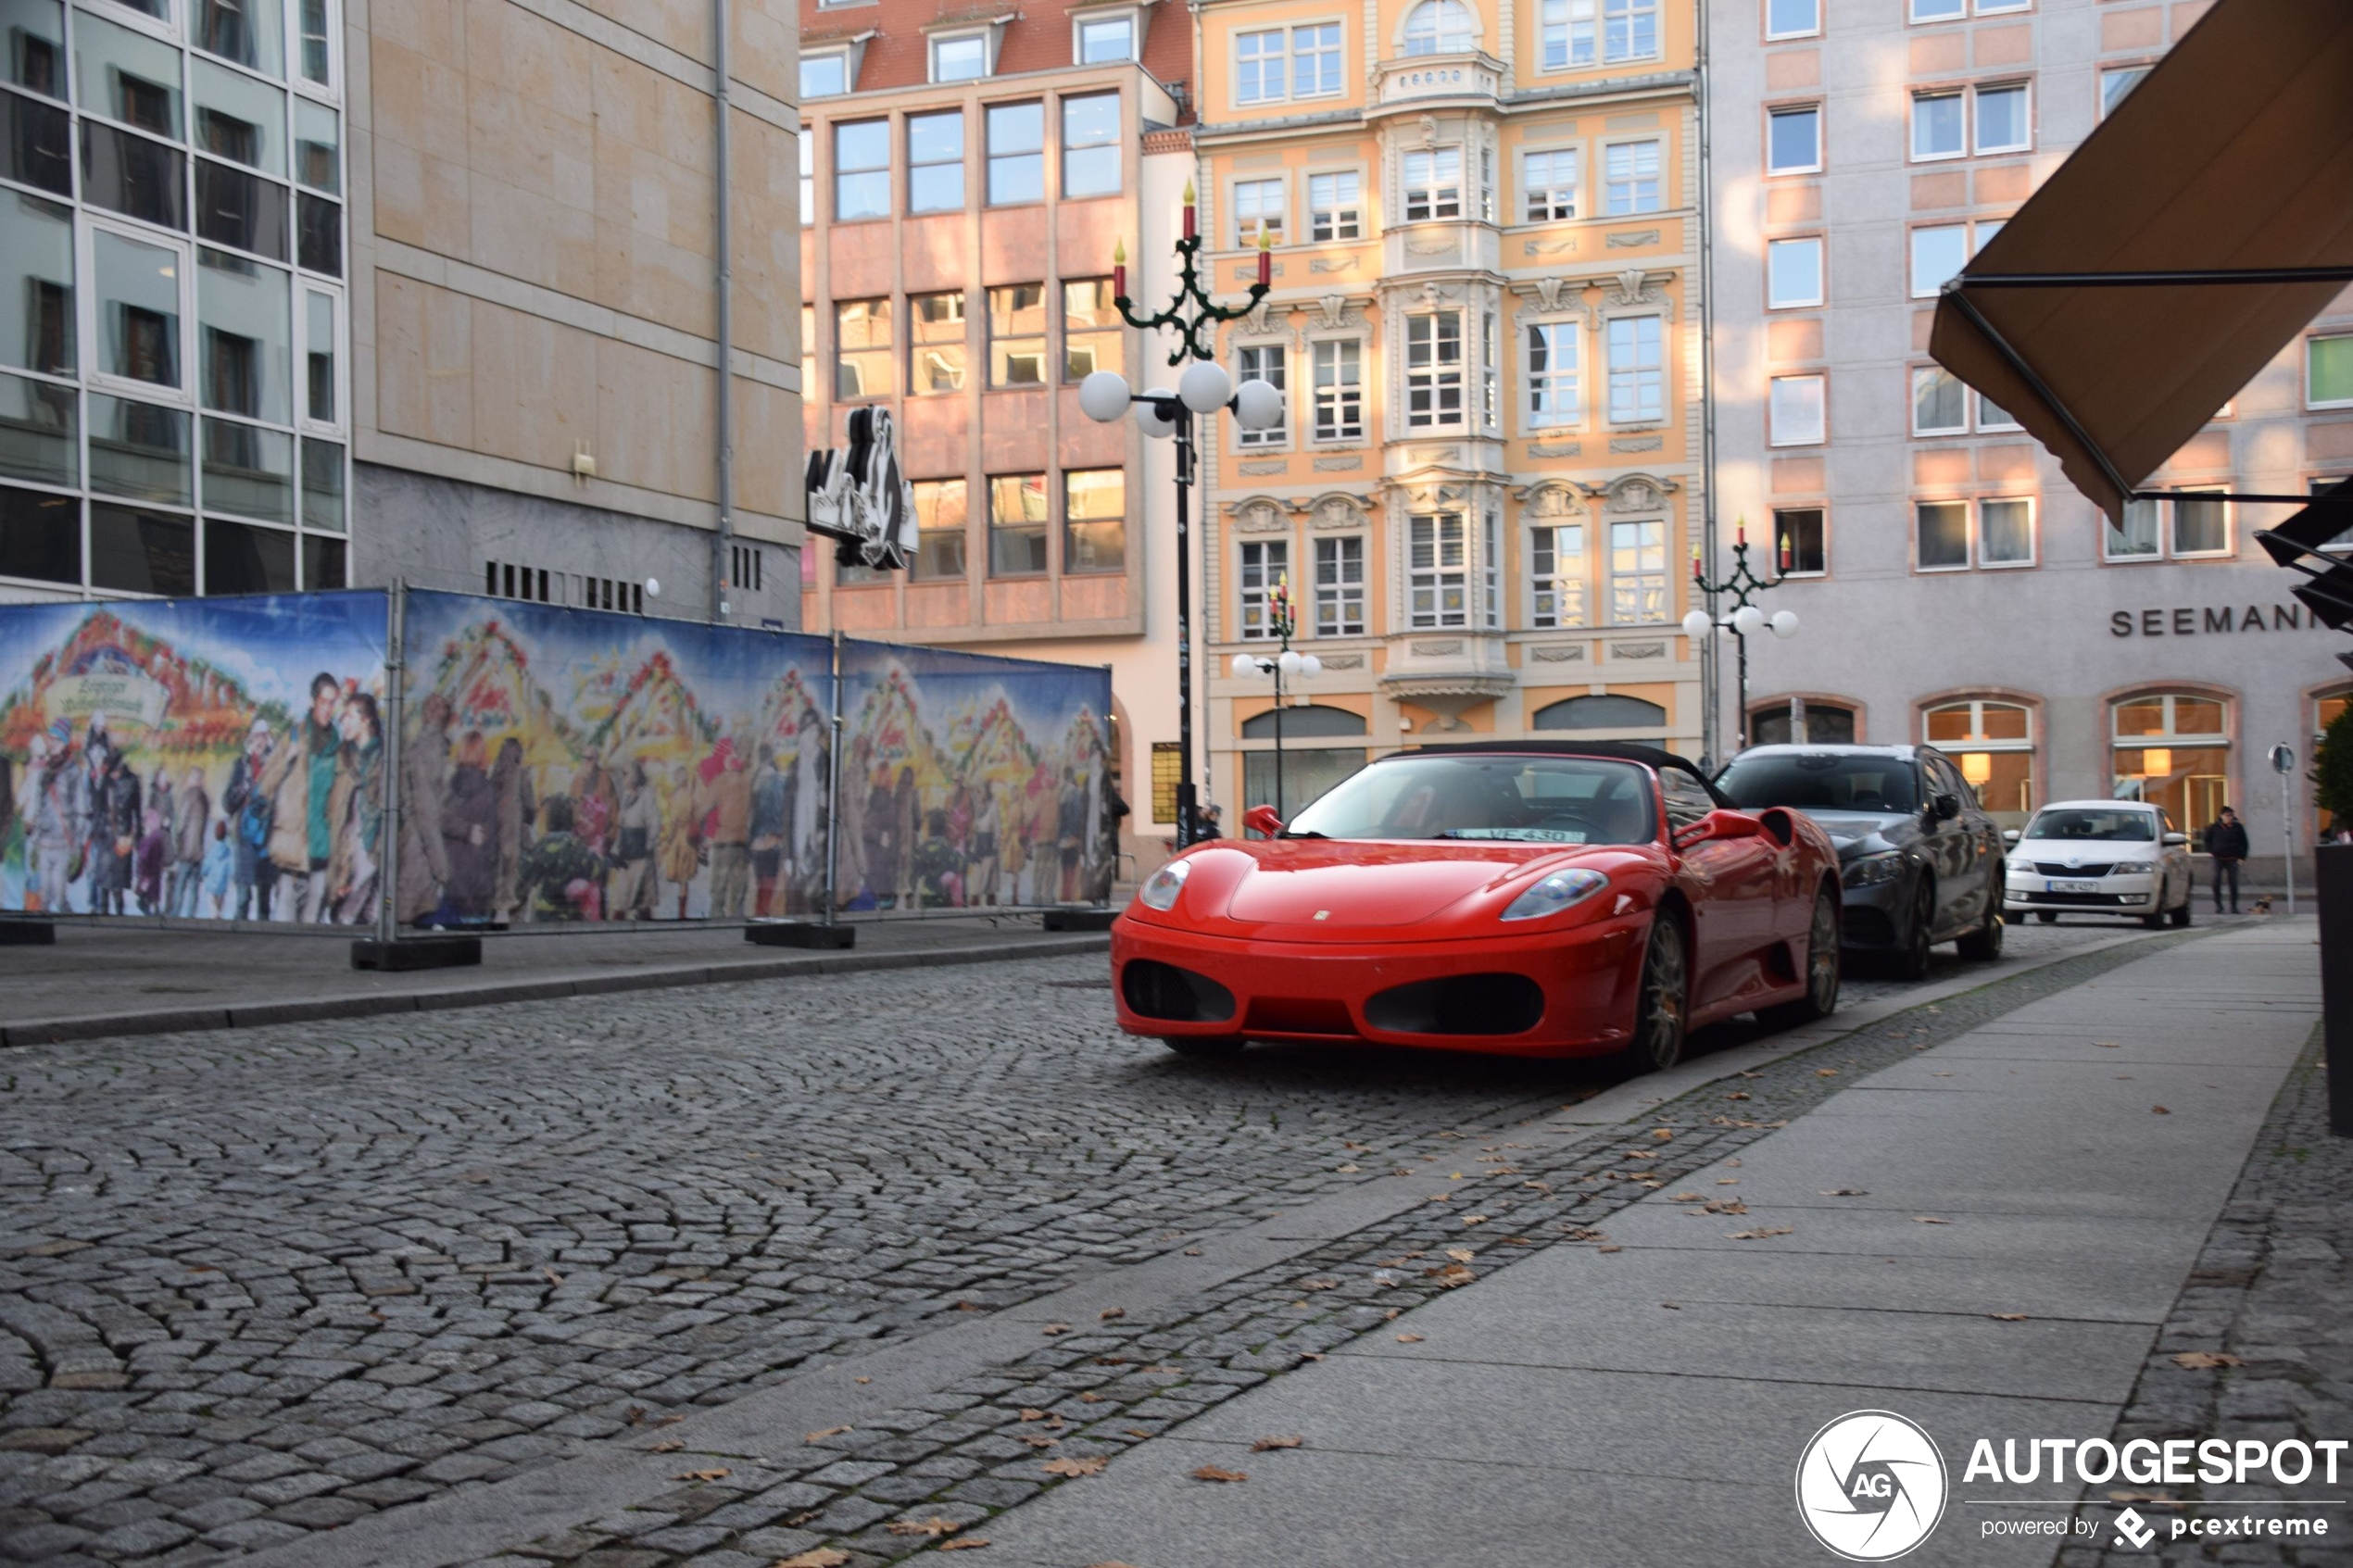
<point x="553" y="1277"/>
<point x="828" y="1432"/>
<point x="1409" y="1339"/>
<point x="1039" y="1442"/>
<point x="1108" y="1313"/>
<point x="1928" y="1220"/>
<point x="933" y="1526"/>
<point x="1455" y="1176"/>
<point x="2007" y="1317"/>
<point x="1724" y="1206"/>
<point x="1738" y="1094"/>
<point x="1826" y="1073"/>
<point x="668" y="1445"/>
<point x="1663" y="1135"/>
<point x="1027" y="1413"/>
<point x="1321" y="1285"/>
<point x="1642" y="1154"/>
<point x="2158" y="1111"/>
<point x="1613" y="1247"/>
<point x="1586" y="1233"/>
<point x="964" y="1543"/>
<point x="1474" y="1219"/>
<point x="1845" y="1192"/>
<point x="1686" y="1197"/>
<point x="2206" y="1360"/>
<point x="1451" y="1275"/>
<point x="816" y="1556"/>
<point x="865" y="1380"/>
<point x="1090" y="1465"/>
<point x="1760" y="1233"/>
<point x="716" y="1474"/>
<point x="1461" y="1254"/>
<point x="970" y="1307"/>
<point x="1348" y="1170"/>
<point x="1728" y="1181"/>
<point x="1135" y="1432"/>
<point x="1090" y="1398"/>
<point x="1215" y="1473"/>
<point x="1670" y="1306"/>
<point x="1195" y="1251"/>
<point x="675" y="1418"/>
<point x="1263" y="1444"/>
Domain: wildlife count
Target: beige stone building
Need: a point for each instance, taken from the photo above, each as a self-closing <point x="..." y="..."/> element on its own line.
<point x="331" y="294"/>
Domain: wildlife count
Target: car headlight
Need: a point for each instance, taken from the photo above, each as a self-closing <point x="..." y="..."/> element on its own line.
<point x="1562" y="890"/>
<point x="2132" y="868"/>
<point x="1160" y="888"/>
<point x="1873" y="869"/>
<point x="2021" y="867"/>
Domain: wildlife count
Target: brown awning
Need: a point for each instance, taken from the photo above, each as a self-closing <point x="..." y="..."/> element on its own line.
<point x="2197" y="232"/>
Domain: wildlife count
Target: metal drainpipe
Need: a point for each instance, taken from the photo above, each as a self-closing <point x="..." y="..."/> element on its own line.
<point x="726" y="536"/>
<point x="1710" y="669"/>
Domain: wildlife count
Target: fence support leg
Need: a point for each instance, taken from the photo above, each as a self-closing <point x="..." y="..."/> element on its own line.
<point x="385" y="950"/>
<point x="824" y="933"/>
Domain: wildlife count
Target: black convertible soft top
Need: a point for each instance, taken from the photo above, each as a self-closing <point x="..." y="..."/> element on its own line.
<point x="1616" y="750"/>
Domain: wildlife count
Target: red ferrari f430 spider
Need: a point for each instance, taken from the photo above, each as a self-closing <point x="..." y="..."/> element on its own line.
<point x="1523" y="897"/>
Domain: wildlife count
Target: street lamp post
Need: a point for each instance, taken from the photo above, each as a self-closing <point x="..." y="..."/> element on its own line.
<point x="1282" y="620"/>
<point x="1203" y="388"/>
<point x="1746" y="620"/>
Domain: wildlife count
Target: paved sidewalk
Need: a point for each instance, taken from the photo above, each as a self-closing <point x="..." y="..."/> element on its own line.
<point x="140" y="979"/>
<point x="1647" y="1404"/>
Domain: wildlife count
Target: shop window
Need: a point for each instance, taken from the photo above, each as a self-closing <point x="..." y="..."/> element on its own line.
<point x="1994" y="743"/>
<point x="2173" y="750"/>
<point x="1817" y="723"/>
<point x="1605" y="711"/>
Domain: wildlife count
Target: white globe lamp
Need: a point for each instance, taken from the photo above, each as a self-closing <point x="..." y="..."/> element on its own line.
<point x="1784" y="624"/>
<point x="1289" y="662"/>
<point x="1310" y="667"/>
<point x="1244" y="667"/>
<point x="653" y="587"/>
<point x="1148" y="415"/>
<point x="1204" y="386"/>
<point x="1257" y="405"/>
<point x="1104" y="396"/>
<point x="1748" y="620"/>
<point x="1698" y="624"/>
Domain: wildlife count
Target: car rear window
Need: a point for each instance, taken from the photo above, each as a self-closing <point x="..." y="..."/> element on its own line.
<point x="1820" y="780"/>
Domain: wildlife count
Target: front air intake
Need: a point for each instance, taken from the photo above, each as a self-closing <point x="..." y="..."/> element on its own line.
<point x="1173" y="996"/>
<point x="1462" y="1004"/>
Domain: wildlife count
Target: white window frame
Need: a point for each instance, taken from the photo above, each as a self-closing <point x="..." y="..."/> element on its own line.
<point x="1343" y="590"/>
<point x="1243" y="239"/>
<point x="1812" y="29"/>
<point x="1435" y="377"/>
<point x="987" y="39"/>
<point x="1439" y="35"/>
<point x="1491" y="376"/>
<point x="1251" y="362"/>
<point x="1437" y="578"/>
<point x="1281" y="55"/>
<point x="1912" y="126"/>
<point x="849" y="84"/>
<point x="1631" y="8"/>
<point x="2168" y="543"/>
<point x="1641" y="578"/>
<point x="1927" y="373"/>
<point x="808" y="176"/>
<point x="1657" y="178"/>
<point x="1081" y="21"/>
<point x="2026" y="118"/>
<point x="2309" y="401"/>
<point x="1640" y="377"/>
<point x="1343" y="214"/>
<point x="306" y="282"/>
<point x="2106" y="103"/>
<point x="1551" y="194"/>
<point x="332" y="90"/>
<point x="1549" y="574"/>
<point x="1822" y="273"/>
<point x="1792" y="111"/>
<point x="1969" y="533"/>
<point x="1775" y="437"/>
<point x="85" y="265"/>
<point x="1913" y="9"/>
<point x="2033" y="533"/>
<point x="1577" y="26"/>
<point x="1820" y="511"/>
<point x="1431" y="192"/>
<point x="1343" y="394"/>
<point x="1565" y="386"/>
<point x="1272" y="566"/>
<point x="1338" y="49"/>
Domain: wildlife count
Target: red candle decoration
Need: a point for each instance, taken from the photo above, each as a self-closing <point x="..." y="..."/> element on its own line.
<point x="1695" y="571"/>
<point x="1119" y="270"/>
<point x="1740" y="531"/>
<point x="1189" y="209"/>
<point x="1265" y="259"/>
<point x="1786" y="556"/>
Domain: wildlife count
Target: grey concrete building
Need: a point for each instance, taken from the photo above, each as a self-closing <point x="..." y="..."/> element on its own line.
<point x="1952" y="586"/>
<point x="320" y="294"/>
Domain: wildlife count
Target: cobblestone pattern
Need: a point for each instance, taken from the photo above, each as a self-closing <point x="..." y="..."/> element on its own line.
<point x="904" y="1483"/>
<point x="2272" y="1288"/>
<point x="258" y="1284"/>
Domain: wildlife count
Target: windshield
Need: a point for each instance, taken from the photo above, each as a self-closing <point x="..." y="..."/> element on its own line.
<point x="1538" y="799"/>
<point x="1820" y="780"/>
<point x="2095" y="825"/>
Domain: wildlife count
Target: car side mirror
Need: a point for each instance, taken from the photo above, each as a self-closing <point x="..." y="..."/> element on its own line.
<point x="1719" y="824"/>
<point x="2009" y="835"/>
<point x="1262" y="820"/>
<point x="1947" y="807"/>
<point x="2174" y="840"/>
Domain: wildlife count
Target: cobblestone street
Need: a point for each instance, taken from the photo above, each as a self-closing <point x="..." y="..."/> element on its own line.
<point x="267" y="1281"/>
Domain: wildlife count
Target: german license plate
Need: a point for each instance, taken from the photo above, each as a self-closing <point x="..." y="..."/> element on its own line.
<point x="2075" y="887"/>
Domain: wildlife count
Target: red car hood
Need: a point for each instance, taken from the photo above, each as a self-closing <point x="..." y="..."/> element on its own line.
<point x="1314" y="890"/>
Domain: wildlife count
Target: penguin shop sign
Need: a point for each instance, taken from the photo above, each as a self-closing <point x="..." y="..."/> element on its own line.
<point x="2212" y="619"/>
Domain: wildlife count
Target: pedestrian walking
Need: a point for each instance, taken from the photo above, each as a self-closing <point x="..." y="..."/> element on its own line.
<point x="191" y="816"/>
<point x="2226" y="841"/>
<point x="1205" y="822"/>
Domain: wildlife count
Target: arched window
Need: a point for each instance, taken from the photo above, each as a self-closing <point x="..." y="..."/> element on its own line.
<point x="2326" y="710"/>
<point x="1608" y="712"/>
<point x="1993" y="741"/>
<point x="1825" y="724"/>
<point x="2173" y="750"/>
<point x="1301" y="722"/>
<point x="1438" y="27"/>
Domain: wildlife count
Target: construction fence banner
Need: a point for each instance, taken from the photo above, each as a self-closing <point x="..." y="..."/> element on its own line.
<point x="235" y="759"/>
<point x="206" y="758"/>
<point x="972" y="780"/>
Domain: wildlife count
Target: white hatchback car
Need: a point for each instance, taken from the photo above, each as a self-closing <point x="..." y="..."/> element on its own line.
<point x="2100" y="857"/>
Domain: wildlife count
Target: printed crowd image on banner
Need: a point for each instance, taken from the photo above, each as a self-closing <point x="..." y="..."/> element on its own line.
<point x="974" y="781"/>
<point x="577" y="765"/>
<point x="206" y="759"/>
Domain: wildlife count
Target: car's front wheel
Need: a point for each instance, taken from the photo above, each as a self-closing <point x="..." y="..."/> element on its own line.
<point x="1660" y="1007"/>
<point x="1212" y="1046"/>
<point x="1821" y="972"/>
